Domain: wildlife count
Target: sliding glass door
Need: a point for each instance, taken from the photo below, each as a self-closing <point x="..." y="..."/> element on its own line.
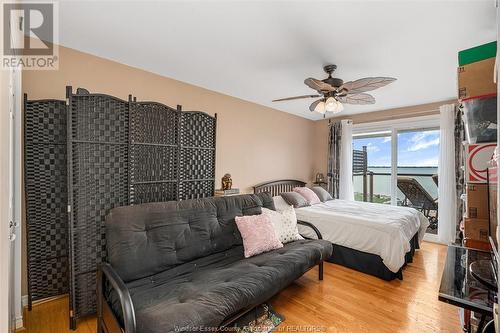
<point x="396" y="163"/>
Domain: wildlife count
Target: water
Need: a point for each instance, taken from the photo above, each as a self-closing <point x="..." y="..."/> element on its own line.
<point x="382" y="183"/>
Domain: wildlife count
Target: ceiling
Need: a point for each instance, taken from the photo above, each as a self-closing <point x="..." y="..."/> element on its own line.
<point x="263" y="50"/>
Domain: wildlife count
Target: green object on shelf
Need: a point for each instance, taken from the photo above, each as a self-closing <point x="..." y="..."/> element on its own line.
<point x="477" y="53"/>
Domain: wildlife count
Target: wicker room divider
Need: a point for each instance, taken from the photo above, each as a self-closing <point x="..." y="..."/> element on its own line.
<point x="89" y="154"/>
<point x="45" y="184"/>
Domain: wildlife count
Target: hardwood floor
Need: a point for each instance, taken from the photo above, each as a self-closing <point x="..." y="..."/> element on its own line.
<point x="345" y="301"/>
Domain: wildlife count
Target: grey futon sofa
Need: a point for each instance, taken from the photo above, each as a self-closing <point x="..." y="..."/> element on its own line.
<point x="179" y="266"/>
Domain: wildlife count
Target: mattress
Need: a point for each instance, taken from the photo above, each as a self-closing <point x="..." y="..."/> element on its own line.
<point x="378" y="229"/>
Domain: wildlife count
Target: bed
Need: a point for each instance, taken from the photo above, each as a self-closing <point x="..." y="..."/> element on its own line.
<point x="371" y="238"/>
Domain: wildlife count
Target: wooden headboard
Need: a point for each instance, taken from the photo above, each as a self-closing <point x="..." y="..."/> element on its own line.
<point x="276" y="187"/>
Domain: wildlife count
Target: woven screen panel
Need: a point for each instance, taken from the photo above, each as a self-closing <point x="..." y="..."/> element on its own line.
<point x="99" y="182"/>
<point x="197" y="163"/>
<point x="154" y="152"/>
<point x="152" y="163"/>
<point x="99" y="118"/>
<point x="152" y="122"/>
<point x="45" y="122"/>
<point x="154" y="192"/>
<point x="196" y="189"/>
<point x="197" y="155"/>
<point x="46" y="198"/>
<point x="198" y="130"/>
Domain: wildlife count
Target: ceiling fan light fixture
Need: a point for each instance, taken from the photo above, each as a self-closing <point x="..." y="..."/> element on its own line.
<point x="331" y="104"/>
<point x="320" y="108"/>
<point x="333" y="90"/>
<point x="340" y="108"/>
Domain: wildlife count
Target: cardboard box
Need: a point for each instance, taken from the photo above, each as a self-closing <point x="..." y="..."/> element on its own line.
<point x="477" y="157"/>
<point x="477" y="53"/>
<point x="475" y="244"/>
<point x="476" y="204"/>
<point x="477" y="79"/>
<point x="476" y="229"/>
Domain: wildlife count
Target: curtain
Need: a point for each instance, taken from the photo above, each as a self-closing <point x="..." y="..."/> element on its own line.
<point x="346" y="187"/>
<point x="459" y="164"/>
<point x="447" y="175"/>
<point x="334" y="141"/>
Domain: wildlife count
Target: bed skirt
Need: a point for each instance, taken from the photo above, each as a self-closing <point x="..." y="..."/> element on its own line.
<point x="370" y="263"/>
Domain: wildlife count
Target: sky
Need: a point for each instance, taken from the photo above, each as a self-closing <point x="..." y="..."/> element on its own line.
<point x="417" y="148"/>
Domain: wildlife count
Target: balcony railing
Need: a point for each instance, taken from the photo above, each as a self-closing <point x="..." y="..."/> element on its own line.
<point x="417" y="190"/>
<point x="368" y="182"/>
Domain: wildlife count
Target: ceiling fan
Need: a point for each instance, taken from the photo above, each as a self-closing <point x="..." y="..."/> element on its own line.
<point x="334" y="92"/>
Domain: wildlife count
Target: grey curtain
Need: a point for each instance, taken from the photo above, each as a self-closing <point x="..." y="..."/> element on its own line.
<point x="334" y="144"/>
<point x="459" y="163"/>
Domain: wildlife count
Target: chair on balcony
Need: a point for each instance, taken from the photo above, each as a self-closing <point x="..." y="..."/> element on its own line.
<point x="417" y="197"/>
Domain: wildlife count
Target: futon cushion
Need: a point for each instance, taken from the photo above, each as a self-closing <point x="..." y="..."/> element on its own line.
<point x="206" y="291"/>
<point x="146" y="239"/>
<point x="322" y="194"/>
<point x="294" y="199"/>
<point x="308" y="194"/>
<point x="258" y="234"/>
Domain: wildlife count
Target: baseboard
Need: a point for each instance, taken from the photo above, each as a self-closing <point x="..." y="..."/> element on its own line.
<point x="19" y="323"/>
<point x="24" y="300"/>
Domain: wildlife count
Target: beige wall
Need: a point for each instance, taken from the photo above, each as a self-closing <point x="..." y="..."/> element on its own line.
<point x="254" y="143"/>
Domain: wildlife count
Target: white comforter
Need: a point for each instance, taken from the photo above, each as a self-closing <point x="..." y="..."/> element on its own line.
<point x="379" y="229"/>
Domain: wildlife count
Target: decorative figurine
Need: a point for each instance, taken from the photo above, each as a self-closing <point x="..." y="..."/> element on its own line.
<point x="227" y="182"/>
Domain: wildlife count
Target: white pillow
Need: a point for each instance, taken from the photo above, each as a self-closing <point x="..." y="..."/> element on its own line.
<point x="284" y="223"/>
<point x="280" y="204"/>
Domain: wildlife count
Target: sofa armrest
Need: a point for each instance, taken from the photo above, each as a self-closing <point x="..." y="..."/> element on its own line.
<point x="318" y="234"/>
<point x="106" y="272"/>
<point x="312" y="226"/>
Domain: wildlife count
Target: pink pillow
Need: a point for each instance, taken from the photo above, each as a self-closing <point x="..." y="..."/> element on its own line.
<point x="258" y="234"/>
<point x="308" y="194"/>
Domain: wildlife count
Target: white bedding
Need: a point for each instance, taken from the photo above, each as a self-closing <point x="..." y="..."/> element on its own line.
<point x="379" y="229"/>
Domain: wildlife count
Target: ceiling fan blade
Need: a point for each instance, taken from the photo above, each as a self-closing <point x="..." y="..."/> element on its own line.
<point x="296" y="97"/>
<point x="358" y="99"/>
<point x="366" y="84"/>
<point x="314" y="104"/>
<point x="318" y="85"/>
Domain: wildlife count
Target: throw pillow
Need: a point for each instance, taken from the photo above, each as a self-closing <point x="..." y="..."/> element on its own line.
<point x="258" y="234"/>
<point x="267" y="200"/>
<point x="322" y="194"/>
<point x="294" y="199"/>
<point x="280" y="204"/>
<point x="285" y="224"/>
<point x="308" y="194"/>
